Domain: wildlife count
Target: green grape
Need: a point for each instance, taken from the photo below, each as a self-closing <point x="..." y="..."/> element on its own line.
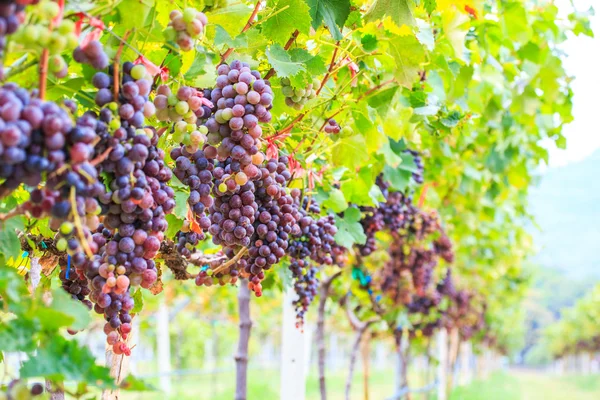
<point x="181" y="126"/>
<point x="138" y="72"/>
<point x="49" y="10"/>
<point x="57" y="43"/>
<point x="66" y="228"/>
<point x="287" y="91"/>
<point x="114" y="124"/>
<point x="222" y="188"/>
<point x="66" y="26"/>
<point x="227" y="114"/>
<point x="61" y="244"/>
<point x="172" y="100"/>
<point x="182" y="107"/>
<point x="203" y="129"/>
<point x="30" y="34"/>
<point x="189" y="14"/>
<point x="170" y="34"/>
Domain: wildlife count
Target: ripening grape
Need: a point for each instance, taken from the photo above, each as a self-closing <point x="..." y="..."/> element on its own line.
<point x="296" y="98"/>
<point x="185" y="27"/>
<point x="92" y="54"/>
<point x="185" y="105"/>
<point x="332" y="127"/>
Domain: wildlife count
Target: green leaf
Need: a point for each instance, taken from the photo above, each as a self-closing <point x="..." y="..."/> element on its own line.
<point x="181" y="209"/>
<point x="350" y="231"/>
<point x="350" y="152"/>
<point x="397" y="177"/>
<point x="232" y="18"/>
<point x="197" y="67"/>
<point x="61" y="359"/>
<point x="456" y="27"/>
<point x="369" y="42"/>
<point x="332" y="12"/>
<point x="282" y="63"/>
<point x="429" y="5"/>
<point x="133" y="384"/>
<point x="175" y="225"/>
<point x="138" y="301"/>
<point x="400" y="11"/>
<point x="290" y="15"/>
<point x="314" y="65"/>
<point x="336" y="201"/>
<point x="64" y="311"/>
<point x="408" y="54"/>
<point x="425" y="34"/>
<point x="133" y="13"/>
<point x="18" y="335"/>
<point x="10" y="245"/>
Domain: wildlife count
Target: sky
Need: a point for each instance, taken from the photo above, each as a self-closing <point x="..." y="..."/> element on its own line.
<point x="583" y="62"/>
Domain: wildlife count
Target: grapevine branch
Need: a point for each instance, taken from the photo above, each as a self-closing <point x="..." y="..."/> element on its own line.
<point x="331" y="65"/>
<point x="43" y="72"/>
<point x="323" y="295"/>
<point x="116" y="66"/>
<point x="248" y="25"/>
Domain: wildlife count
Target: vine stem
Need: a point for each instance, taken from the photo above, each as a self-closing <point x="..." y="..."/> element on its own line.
<point x="12" y="213"/>
<point x="248" y="25"/>
<point x="320" y="333"/>
<point x="78" y="225"/>
<point x="331" y="64"/>
<point x="116" y="66"/>
<point x="287" y="46"/>
<point x="231" y="262"/>
<point x="43" y="73"/>
<point x="241" y="357"/>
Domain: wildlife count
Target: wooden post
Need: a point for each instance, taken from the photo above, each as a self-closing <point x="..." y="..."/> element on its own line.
<point x="119" y="367"/>
<point x="442" y="342"/>
<point x="241" y="357"/>
<point x="292" y="385"/>
<point x="163" y="344"/>
<point x="366" y="362"/>
<point x="465" y="363"/>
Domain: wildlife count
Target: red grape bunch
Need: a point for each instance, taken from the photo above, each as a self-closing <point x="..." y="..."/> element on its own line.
<point x="243" y="100"/>
<point x="11" y="16"/>
<point x="332" y="126"/>
<point x="181" y="106"/>
<point x="185" y="27"/>
<point x="92" y="54"/>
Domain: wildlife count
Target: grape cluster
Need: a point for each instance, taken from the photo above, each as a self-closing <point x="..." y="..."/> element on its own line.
<point x="74" y="282"/>
<point x="185" y="27"/>
<point x="243" y="100"/>
<point x="92" y="54"/>
<point x="418" y="160"/>
<point x="136" y="202"/>
<point x="306" y="286"/>
<point x="11" y="16"/>
<point x="296" y="98"/>
<point x="18" y="389"/>
<point x="33" y="134"/>
<point x="332" y="126"/>
<point x="187" y="240"/>
<point x="42" y="35"/>
<point x="185" y="105"/>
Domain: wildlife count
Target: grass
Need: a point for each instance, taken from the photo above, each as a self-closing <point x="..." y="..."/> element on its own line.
<point x="531" y="385"/>
<point x="263" y="384"/>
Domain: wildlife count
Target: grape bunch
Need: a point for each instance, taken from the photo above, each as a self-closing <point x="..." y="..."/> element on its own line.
<point x="74" y="282"/>
<point x="418" y="160"/>
<point x="296" y="98"/>
<point x="133" y="104"/>
<point x="243" y="100"/>
<point x="185" y="27"/>
<point x="306" y="286"/>
<point x="32" y="137"/>
<point x="18" y="389"/>
<point x="185" y="105"/>
<point x="446" y="287"/>
<point x="332" y="126"/>
<point x="92" y="54"/>
<point x="43" y="35"/>
<point x="11" y="16"/>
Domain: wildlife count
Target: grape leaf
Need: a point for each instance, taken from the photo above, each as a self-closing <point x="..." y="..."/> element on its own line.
<point x="232" y="18"/>
<point x="197" y="67"/>
<point x="18" y="335"/>
<point x="10" y="245"/>
<point x="134" y="13"/>
<point x="332" y="12"/>
<point x="62" y="359"/>
<point x="336" y="201"/>
<point x="314" y="64"/>
<point x="369" y="42"/>
<point x="290" y="15"/>
<point x="133" y="384"/>
<point x="400" y="11"/>
<point x="408" y="54"/>
<point x="350" y="231"/>
<point x="181" y="209"/>
<point x="429" y="5"/>
<point x="456" y="27"/>
<point x="175" y="225"/>
<point x="138" y="300"/>
<point x="282" y="63"/>
<point x="350" y="152"/>
<point x="397" y="177"/>
<point x="64" y="312"/>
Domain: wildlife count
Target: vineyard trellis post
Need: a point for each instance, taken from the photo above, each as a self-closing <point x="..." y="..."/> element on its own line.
<point x="292" y="352"/>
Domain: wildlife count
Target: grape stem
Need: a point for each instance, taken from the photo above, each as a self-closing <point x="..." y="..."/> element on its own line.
<point x="101" y="157"/>
<point x="229" y="263"/>
<point x="248" y="25"/>
<point x="78" y="225"/>
<point x="331" y="65"/>
<point x="12" y="213"/>
<point x="43" y="73"/>
<point x="116" y="66"/>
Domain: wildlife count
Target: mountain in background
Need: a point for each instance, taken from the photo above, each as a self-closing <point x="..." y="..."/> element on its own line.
<point x="566" y="206"/>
